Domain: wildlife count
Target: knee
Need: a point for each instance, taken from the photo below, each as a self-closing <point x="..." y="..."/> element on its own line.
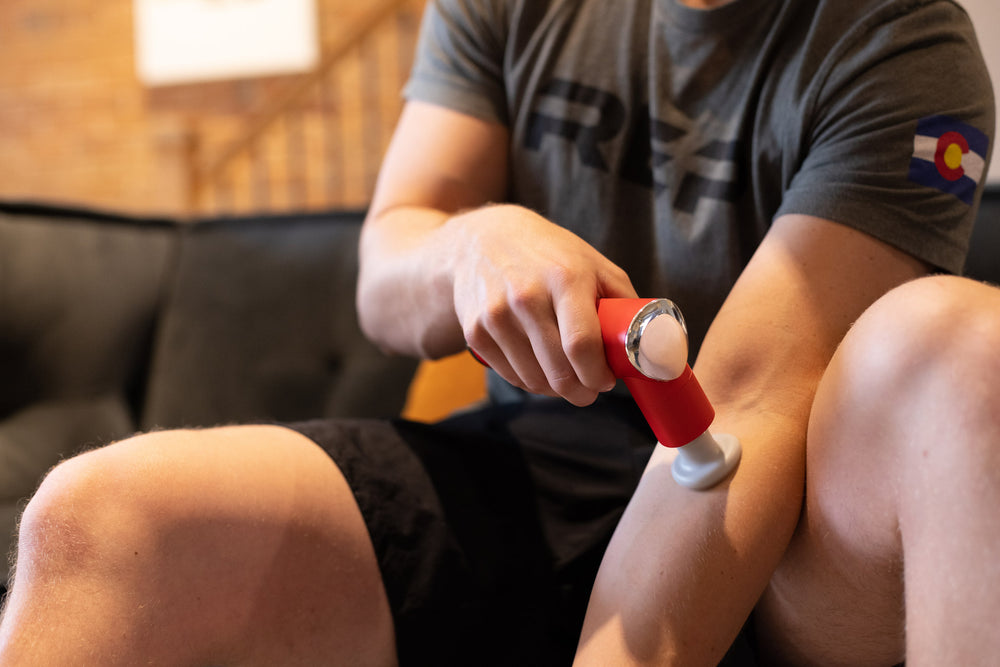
<point x="941" y="330"/>
<point x="55" y="530"/>
<point x="925" y="355"/>
<point x="84" y="505"/>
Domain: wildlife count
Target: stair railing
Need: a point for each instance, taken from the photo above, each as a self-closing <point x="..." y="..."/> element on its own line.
<point x="211" y="182"/>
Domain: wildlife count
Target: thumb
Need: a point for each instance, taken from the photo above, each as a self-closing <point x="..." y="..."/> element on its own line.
<point x="615" y="284"/>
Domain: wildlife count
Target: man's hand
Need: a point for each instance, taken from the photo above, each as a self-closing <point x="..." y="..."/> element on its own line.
<point x="526" y="296"/>
<point x="442" y="268"/>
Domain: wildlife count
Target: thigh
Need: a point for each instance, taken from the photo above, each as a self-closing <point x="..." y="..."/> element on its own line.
<point x="236" y="545"/>
<point x="836" y="597"/>
<point x="903" y="417"/>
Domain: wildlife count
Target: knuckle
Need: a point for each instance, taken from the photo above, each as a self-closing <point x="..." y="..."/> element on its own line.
<point x="476" y="335"/>
<point x="582" y="397"/>
<point x="615" y="275"/>
<point x="536" y="384"/>
<point x="580" y="344"/>
<point x="495" y="315"/>
<point x="527" y="299"/>
<point x="478" y="327"/>
<point x="561" y="276"/>
<point x="620" y="273"/>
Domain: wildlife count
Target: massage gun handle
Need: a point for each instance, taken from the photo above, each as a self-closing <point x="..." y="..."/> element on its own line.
<point x="678" y="411"/>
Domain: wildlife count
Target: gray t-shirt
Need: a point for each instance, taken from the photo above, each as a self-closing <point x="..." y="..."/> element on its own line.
<point x="670" y="138"/>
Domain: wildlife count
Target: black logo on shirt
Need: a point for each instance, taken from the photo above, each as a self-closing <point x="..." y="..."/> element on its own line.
<point x="667" y="157"/>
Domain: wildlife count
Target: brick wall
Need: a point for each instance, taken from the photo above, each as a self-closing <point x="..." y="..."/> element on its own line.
<point x="76" y="126"/>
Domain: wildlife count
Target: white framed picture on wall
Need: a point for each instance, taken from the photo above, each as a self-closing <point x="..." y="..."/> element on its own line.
<point x="189" y="41"/>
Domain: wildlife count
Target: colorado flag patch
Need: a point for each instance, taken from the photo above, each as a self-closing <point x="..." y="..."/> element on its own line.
<point x="949" y="155"/>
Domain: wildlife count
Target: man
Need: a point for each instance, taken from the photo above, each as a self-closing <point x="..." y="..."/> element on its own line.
<point x="785" y="171"/>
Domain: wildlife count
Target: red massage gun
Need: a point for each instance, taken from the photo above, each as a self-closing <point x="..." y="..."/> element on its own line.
<point x="645" y="342"/>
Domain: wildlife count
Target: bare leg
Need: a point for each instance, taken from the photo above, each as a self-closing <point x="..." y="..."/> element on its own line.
<point x="903" y="486"/>
<point x="240" y="545"/>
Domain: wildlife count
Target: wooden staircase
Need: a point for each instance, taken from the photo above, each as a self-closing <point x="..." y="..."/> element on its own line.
<point x="316" y="144"/>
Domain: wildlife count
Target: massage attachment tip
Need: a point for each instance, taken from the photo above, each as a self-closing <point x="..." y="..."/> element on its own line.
<point x="706" y="460"/>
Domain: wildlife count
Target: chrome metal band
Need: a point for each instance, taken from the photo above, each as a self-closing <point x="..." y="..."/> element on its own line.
<point x="637" y="326"/>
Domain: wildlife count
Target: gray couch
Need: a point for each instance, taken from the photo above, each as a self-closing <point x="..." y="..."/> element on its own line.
<point x="110" y="325"/>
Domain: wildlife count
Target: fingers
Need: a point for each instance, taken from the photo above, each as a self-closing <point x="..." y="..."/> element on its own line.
<point x="518" y="337"/>
<point x="546" y="341"/>
<point x="581" y="342"/>
<point x="526" y="295"/>
<point x="580" y="328"/>
<point x="564" y="342"/>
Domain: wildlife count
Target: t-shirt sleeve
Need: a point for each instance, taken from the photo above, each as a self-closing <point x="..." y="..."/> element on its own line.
<point x="900" y="133"/>
<point x="459" y="58"/>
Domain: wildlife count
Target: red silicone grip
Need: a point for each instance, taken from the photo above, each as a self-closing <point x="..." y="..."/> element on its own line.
<point x="678" y="410"/>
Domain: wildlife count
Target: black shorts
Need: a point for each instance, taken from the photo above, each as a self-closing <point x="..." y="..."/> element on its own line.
<point x="489" y="527"/>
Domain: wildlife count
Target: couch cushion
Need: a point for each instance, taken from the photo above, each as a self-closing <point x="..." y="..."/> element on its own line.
<point x="79" y="294"/>
<point x="78" y="298"/>
<point x="260" y="324"/>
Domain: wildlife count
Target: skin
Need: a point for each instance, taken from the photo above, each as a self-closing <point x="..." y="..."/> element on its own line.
<point x="230" y="546"/>
<point x="684" y="568"/>
<point x="907" y="570"/>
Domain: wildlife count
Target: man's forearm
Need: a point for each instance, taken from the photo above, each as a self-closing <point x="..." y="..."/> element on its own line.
<point x="439" y="162"/>
<point x="685" y="568"/>
<point x="404" y="304"/>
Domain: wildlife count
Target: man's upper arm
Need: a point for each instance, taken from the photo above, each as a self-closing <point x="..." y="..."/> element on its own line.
<point x="442" y="159"/>
<point x="898" y="132"/>
<point x="440" y="162"/>
<point x="809" y="280"/>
